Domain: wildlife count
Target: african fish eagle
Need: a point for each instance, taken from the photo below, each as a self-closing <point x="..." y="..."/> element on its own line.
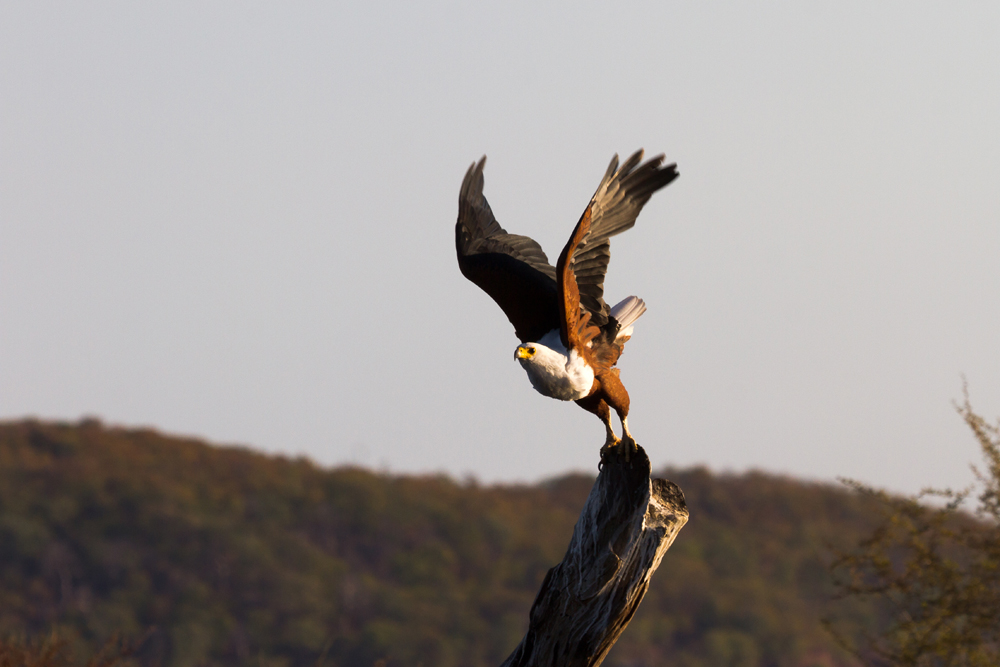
<point x="570" y="339"/>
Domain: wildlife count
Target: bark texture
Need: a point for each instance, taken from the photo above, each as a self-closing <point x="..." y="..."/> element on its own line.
<point x="627" y="524"/>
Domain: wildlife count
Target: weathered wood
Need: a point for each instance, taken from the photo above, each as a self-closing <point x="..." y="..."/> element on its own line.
<point x="627" y="524"/>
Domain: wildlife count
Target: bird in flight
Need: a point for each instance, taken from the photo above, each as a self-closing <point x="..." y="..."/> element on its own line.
<point x="570" y="338"/>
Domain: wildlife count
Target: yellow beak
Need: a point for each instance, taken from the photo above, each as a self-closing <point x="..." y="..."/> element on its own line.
<point x="522" y="352"/>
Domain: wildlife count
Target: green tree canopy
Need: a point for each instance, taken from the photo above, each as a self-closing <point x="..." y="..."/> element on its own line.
<point x="932" y="570"/>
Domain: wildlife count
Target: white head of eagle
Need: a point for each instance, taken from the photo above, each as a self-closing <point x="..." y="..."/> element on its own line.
<point x="553" y="371"/>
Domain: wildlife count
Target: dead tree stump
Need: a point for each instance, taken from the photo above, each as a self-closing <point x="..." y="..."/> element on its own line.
<point x="627" y="524"/>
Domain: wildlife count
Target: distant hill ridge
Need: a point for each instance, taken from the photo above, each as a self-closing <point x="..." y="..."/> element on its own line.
<point x="221" y="555"/>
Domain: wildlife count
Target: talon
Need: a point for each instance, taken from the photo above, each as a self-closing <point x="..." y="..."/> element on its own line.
<point x="630" y="445"/>
<point x="609" y="445"/>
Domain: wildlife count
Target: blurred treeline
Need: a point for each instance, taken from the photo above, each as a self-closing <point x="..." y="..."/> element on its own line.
<point x="204" y="555"/>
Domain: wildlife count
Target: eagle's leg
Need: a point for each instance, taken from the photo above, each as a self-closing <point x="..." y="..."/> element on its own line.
<point x="627" y="439"/>
<point x="611" y="440"/>
<point x="616" y="397"/>
<point x="595" y="404"/>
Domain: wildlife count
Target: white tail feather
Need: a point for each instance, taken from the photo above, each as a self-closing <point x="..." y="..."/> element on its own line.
<point x="627" y="311"/>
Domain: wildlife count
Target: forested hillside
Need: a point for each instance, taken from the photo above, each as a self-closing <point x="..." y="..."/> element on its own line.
<point x="219" y="555"/>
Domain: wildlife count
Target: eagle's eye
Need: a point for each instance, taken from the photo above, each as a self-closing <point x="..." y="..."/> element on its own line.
<point x="531" y="351"/>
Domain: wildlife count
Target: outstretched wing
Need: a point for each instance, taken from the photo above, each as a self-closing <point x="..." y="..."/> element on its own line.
<point x="575" y="328"/>
<point x="512" y="269"/>
<point x="613" y="209"/>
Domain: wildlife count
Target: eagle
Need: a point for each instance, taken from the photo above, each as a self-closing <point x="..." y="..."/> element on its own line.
<point x="570" y="338"/>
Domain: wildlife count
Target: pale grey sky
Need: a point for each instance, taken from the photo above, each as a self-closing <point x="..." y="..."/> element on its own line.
<point x="235" y="220"/>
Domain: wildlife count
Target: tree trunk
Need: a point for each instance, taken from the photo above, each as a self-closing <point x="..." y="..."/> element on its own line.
<point x="627" y="524"/>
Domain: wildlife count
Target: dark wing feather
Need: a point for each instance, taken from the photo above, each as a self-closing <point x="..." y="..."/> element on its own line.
<point x="614" y="208"/>
<point x="512" y="269"/>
